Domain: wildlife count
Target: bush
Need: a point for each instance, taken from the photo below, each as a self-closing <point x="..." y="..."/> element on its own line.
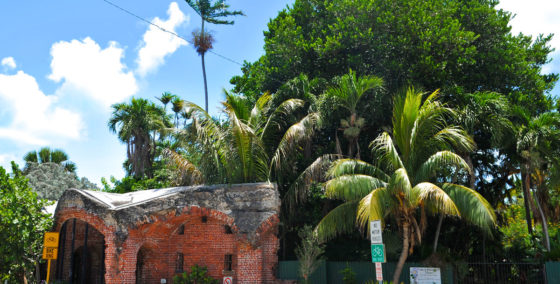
<point x="198" y="275"/>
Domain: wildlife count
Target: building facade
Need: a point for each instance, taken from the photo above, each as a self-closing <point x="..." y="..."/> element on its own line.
<point x="150" y="236"/>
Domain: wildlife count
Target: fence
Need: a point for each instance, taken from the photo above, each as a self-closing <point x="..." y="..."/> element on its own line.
<point x="472" y="273"/>
<point x="330" y="272"/>
<point x="504" y="273"/>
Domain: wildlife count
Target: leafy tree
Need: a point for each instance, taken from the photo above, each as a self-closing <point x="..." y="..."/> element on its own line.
<point x="410" y="178"/>
<point x="459" y="46"/>
<point x="22" y="223"/>
<point x="138" y="124"/>
<point x="212" y="12"/>
<point x="50" y="180"/>
<point x="46" y="155"/>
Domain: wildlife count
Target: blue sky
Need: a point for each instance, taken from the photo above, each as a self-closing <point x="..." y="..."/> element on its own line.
<point x="63" y="63"/>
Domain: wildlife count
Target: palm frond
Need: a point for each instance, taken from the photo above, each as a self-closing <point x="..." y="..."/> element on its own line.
<point x="432" y="196"/>
<point x="373" y="206"/>
<point x="473" y="207"/>
<point x="184" y="166"/>
<point x="353" y="166"/>
<point x="384" y="149"/>
<point x="293" y="138"/>
<point x="351" y="187"/>
<point x="297" y="192"/>
<point x="340" y="220"/>
<point x="440" y="161"/>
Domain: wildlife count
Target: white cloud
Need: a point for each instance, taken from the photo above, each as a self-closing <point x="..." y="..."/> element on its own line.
<point x="8" y="62"/>
<point x="157" y="44"/>
<point x="87" y="69"/>
<point x="35" y="116"/>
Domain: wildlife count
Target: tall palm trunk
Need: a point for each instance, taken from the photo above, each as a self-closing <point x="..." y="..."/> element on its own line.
<point x="544" y="223"/>
<point x="204" y="69"/>
<point x="526" y="180"/>
<point x="404" y="253"/>
<point x="437" y="233"/>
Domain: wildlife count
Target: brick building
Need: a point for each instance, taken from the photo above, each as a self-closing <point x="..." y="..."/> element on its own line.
<point x="150" y="236"/>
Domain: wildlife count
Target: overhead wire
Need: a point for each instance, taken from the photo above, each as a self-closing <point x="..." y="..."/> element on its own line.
<point x="177" y="35"/>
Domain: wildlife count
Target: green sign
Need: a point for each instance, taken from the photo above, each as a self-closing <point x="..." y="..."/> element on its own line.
<point x="377" y="253"/>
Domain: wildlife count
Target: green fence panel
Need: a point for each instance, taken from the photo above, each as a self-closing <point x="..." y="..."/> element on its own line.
<point x="552" y="272"/>
<point x="290" y="270"/>
<point x="330" y="272"/>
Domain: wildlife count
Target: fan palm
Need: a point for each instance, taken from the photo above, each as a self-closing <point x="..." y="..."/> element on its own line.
<point x="137" y="125"/>
<point x="212" y="12"/>
<point x="409" y="177"/>
<point x="348" y="93"/>
<point x="251" y="145"/>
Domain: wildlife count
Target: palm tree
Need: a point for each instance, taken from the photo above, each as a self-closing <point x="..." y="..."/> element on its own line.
<point x="409" y="179"/>
<point x="485" y="115"/>
<point x="251" y="145"/>
<point x="212" y="12"/>
<point x="46" y="155"/>
<point x="166" y="98"/>
<point x="178" y="105"/>
<point x="537" y="140"/>
<point x="137" y="125"/>
<point x="348" y="93"/>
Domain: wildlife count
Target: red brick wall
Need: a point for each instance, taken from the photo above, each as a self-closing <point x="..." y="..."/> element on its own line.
<point x="203" y="243"/>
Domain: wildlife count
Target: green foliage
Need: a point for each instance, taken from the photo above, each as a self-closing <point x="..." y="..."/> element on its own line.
<point x="348" y="275"/>
<point x="308" y="252"/>
<point x="517" y="241"/>
<point x="50" y="180"/>
<point x="459" y="46"/>
<point x="22" y="223"/>
<point x="130" y="183"/>
<point x="198" y="275"/>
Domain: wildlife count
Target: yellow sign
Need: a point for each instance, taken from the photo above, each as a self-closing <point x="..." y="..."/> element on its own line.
<point x="51" y="239"/>
<point x="50" y="252"/>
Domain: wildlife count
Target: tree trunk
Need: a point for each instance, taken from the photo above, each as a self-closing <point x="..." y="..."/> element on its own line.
<point x="437" y="233"/>
<point x="526" y="194"/>
<point x="404" y="253"/>
<point x="544" y="224"/>
<point x="204" y="69"/>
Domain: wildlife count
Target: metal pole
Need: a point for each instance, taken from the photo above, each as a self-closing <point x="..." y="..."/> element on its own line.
<point x="48" y="271"/>
<point x="84" y="256"/>
<point x="72" y="251"/>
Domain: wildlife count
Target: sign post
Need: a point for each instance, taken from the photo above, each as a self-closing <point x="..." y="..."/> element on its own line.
<point x="50" y="249"/>
<point x="377" y="248"/>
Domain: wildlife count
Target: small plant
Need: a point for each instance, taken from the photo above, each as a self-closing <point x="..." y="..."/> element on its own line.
<point x="198" y="275"/>
<point x="308" y="252"/>
<point x="348" y="275"/>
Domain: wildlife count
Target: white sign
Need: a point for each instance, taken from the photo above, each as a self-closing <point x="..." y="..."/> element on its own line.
<point x="425" y="275"/>
<point x="228" y="279"/>
<point x="378" y="271"/>
<point x="375" y="232"/>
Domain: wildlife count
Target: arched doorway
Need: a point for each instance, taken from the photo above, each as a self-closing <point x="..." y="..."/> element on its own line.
<point x="81" y="256"/>
<point x="146" y="266"/>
